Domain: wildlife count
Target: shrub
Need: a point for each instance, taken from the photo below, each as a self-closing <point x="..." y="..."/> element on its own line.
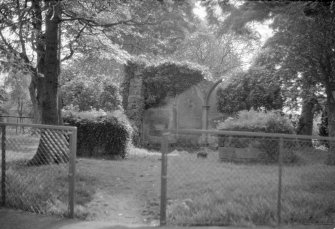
<point x="254" y="121"/>
<point x="100" y="133"/>
<point x="87" y="93"/>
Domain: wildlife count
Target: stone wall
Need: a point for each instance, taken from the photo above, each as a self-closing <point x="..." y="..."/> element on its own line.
<point x="160" y="97"/>
<point x="187" y="115"/>
<point x="134" y="106"/>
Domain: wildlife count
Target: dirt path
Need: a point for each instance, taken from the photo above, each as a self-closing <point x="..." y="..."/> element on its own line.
<point x="126" y="192"/>
<point x="121" y="209"/>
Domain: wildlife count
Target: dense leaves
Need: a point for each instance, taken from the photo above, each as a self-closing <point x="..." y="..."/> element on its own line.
<point x="219" y="54"/>
<point x="3" y="98"/>
<point x="89" y="93"/>
<point x="163" y="80"/>
<point x="253" y="90"/>
<point x="18" y="101"/>
<point x="258" y="121"/>
<point x="101" y="134"/>
<point x="36" y="36"/>
<point x="253" y="121"/>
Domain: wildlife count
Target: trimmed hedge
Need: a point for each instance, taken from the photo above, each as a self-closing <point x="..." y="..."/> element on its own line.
<point x="100" y="134"/>
<point x="254" y="121"/>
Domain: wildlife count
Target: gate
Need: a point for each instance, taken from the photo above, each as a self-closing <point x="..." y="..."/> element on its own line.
<point x="38" y="168"/>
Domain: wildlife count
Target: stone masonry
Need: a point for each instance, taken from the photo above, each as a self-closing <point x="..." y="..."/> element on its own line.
<point x="135" y="105"/>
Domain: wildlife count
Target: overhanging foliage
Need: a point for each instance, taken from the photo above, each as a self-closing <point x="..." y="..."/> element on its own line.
<point x="162" y="80"/>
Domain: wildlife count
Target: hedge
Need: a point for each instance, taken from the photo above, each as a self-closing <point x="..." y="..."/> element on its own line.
<point x="100" y="134"/>
<point x="254" y="121"/>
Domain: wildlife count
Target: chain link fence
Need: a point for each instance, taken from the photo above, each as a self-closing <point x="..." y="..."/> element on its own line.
<point x="245" y="179"/>
<point x="38" y="168"/>
<point x="17" y="120"/>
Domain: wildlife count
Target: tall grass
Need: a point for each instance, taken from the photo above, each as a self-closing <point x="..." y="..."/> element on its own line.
<point x="200" y="191"/>
<point x="44" y="189"/>
<point x="207" y="192"/>
<point x="41" y="189"/>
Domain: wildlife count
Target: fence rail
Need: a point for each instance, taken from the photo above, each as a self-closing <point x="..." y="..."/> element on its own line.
<point x="244" y="178"/>
<point x="38" y="168"/>
<point x="18" y="120"/>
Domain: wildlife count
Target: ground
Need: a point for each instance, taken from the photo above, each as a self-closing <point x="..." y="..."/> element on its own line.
<point x="123" y="189"/>
<point x="201" y="191"/>
<point x="12" y="219"/>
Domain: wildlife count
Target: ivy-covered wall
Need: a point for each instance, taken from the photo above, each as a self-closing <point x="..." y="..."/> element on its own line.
<point x="148" y="86"/>
<point x="133" y="97"/>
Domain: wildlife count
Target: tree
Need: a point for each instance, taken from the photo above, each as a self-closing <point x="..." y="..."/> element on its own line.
<point x="17" y="86"/>
<point x="110" y="98"/>
<point x="88" y="93"/>
<point x="31" y="41"/>
<point x="82" y="93"/>
<point x="308" y="47"/>
<point x="3" y="99"/>
<point x="252" y="90"/>
<point x="217" y="53"/>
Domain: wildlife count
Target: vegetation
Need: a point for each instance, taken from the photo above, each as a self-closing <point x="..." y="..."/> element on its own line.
<point x="300" y="54"/>
<point x="269" y="122"/>
<point x="194" y="189"/>
<point x="250" y="192"/>
<point x="163" y="80"/>
<point x="71" y="53"/>
<point x="250" y="91"/>
<point x="101" y="134"/>
<point x="255" y="121"/>
<point x="88" y="93"/>
<point x="36" y="36"/>
<point x="16" y="87"/>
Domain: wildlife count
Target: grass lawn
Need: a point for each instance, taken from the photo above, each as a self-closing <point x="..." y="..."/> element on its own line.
<point x="207" y="192"/>
<point x="200" y="191"/>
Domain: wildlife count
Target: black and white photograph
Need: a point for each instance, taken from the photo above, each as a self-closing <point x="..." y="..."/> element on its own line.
<point x="192" y="114"/>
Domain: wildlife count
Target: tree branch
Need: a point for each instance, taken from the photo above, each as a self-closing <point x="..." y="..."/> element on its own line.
<point x="72" y="42"/>
<point x="91" y="22"/>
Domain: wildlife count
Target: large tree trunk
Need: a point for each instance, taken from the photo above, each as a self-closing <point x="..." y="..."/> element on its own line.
<point x="331" y="122"/>
<point x="44" y="86"/>
<point x="305" y="124"/>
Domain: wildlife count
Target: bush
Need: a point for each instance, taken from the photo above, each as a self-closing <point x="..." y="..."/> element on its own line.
<point x="100" y="134"/>
<point x="87" y="93"/>
<point x="254" y="121"/>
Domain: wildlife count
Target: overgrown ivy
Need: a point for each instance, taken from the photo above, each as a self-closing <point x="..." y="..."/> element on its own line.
<point x="162" y="80"/>
<point x="129" y="73"/>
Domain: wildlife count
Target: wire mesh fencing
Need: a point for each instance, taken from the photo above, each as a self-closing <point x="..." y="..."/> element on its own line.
<point x="38" y="168"/>
<point x="17" y="120"/>
<point x="241" y="178"/>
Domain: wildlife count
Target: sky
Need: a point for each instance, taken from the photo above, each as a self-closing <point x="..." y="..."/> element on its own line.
<point x="262" y="28"/>
<point x="199" y="11"/>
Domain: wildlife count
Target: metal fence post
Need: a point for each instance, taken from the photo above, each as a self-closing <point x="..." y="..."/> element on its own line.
<point x="72" y="171"/>
<point x="164" y="150"/>
<point x="280" y="174"/>
<point x="3" y="164"/>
